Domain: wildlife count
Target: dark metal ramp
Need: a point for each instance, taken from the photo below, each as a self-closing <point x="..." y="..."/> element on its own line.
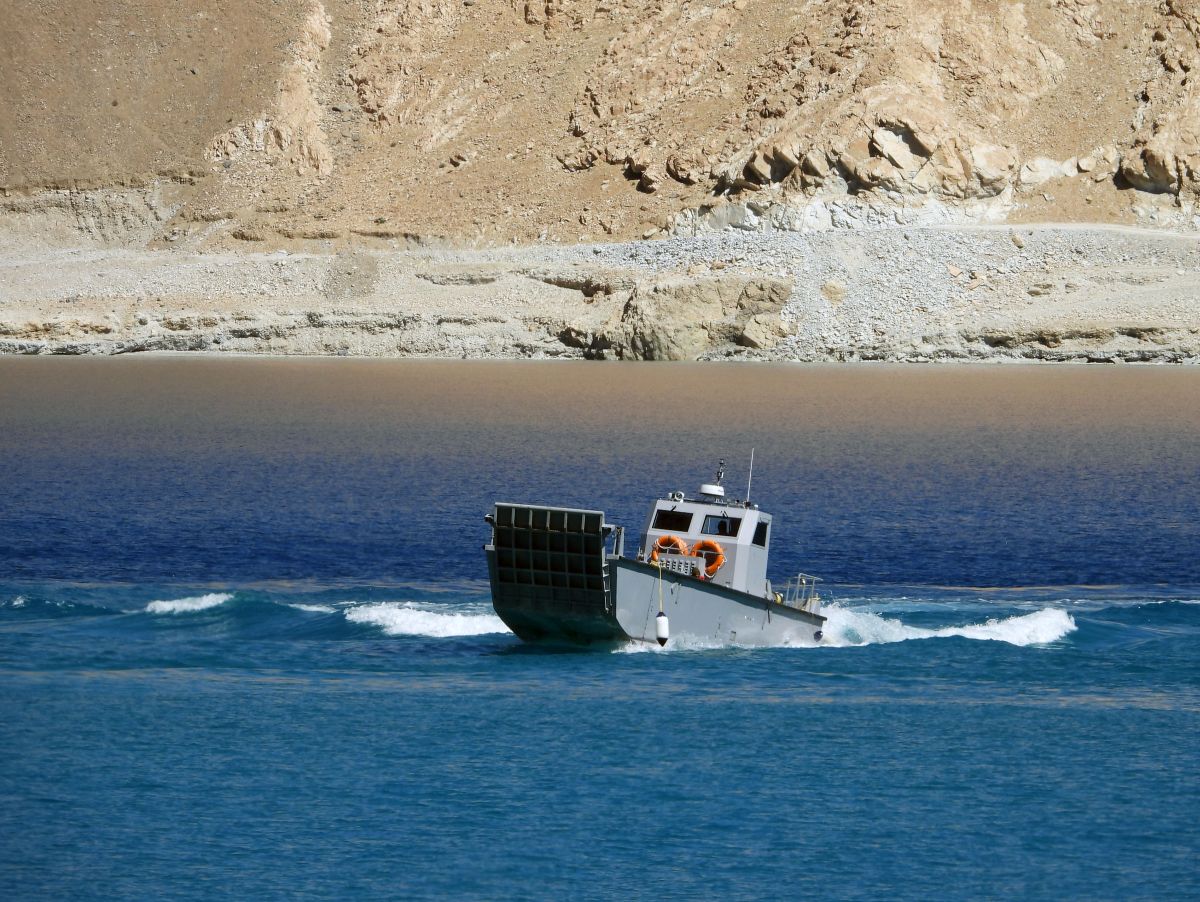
<point x="548" y="571"/>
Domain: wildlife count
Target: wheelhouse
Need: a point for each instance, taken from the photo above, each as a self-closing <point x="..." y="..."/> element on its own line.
<point x="710" y="537"/>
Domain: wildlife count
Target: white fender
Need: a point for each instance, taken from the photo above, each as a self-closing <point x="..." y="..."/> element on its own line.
<point x="662" y="628"/>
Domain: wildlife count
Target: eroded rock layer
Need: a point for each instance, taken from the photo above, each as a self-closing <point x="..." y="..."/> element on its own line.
<point x="983" y="293"/>
<point x="569" y="120"/>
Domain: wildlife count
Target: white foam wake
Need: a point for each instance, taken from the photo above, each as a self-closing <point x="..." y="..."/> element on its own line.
<point x="405" y="620"/>
<point x="846" y="627"/>
<point x="678" y="643"/>
<point x="188" y="605"/>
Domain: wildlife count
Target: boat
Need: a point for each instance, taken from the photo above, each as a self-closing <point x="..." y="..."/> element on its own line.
<point x="699" y="575"/>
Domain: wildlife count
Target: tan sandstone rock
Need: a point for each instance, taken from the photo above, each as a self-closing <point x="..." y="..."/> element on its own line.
<point x="684" y="318"/>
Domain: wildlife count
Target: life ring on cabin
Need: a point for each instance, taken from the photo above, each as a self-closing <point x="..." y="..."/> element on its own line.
<point x="713" y="555"/>
<point x="666" y="544"/>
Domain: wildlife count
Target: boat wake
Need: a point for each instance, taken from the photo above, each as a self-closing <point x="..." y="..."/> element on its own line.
<point x="856" y="623"/>
<point x="396" y="619"/>
<point x="849" y="628"/>
<point x="846" y="627"/>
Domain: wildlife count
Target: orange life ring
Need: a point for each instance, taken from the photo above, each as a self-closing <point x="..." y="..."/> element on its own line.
<point x="666" y="544"/>
<point x="713" y="554"/>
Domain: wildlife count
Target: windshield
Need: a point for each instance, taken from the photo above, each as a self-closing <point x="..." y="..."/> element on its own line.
<point x="715" y="525"/>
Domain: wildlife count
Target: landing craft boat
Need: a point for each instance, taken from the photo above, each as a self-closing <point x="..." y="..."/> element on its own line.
<point x="699" y="574"/>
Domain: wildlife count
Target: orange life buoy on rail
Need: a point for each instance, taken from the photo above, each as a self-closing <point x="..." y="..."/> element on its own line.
<point x="668" y="544"/>
<point x="713" y="554"/>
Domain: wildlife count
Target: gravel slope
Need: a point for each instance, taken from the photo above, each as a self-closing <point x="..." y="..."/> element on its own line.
<point x="930" y="293"/>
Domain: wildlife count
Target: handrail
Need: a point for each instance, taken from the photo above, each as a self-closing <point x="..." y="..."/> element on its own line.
<point x="800" y="592"/>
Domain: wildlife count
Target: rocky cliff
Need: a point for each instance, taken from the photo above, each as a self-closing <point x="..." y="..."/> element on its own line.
<point x="822" y="179"/>
<point x="266" y="122"/>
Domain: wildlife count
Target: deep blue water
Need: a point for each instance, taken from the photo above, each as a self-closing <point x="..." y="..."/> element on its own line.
<point x="246" y="648"/>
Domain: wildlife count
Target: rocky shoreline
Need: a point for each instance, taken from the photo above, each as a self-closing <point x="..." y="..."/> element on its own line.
<point x="647" y="180"/>
<point x="920" y="293"/>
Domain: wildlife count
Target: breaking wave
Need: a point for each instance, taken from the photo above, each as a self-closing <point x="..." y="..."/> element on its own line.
<point x="189" y="605"/>
<point x="397" y="619"/>
<point x="846" y="627"/>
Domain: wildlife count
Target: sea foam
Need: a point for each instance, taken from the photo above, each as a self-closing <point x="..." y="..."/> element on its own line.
<point x="845" y="627"/>
<point x="405" y="620"/>
<point x="189" y="605"/>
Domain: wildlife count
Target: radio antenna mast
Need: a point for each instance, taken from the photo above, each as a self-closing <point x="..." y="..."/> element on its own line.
<point x="750" y="478"/>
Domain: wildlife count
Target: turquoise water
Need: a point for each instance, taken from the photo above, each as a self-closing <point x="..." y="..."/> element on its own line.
<point x="246" y="647"/>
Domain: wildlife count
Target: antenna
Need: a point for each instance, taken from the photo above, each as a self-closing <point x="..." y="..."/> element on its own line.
<point x="720" y="471"/>
<point x="750" y="477"/>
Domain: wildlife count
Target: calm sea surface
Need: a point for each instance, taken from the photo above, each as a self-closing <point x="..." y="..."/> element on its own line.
<point x="247" y="650"/>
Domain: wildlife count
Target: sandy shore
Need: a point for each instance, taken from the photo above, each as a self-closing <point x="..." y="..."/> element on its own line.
<point x="903" y="294"/>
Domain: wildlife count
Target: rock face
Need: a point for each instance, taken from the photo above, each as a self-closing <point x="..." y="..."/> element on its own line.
<point x="877" y="100"/>
<point x="1165" y="156"/>
<point x="293" y="129"/>
<point x="568" y="120"/>
<point x="684" y="318"/>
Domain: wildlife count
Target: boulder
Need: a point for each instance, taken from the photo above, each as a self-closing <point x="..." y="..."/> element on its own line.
<point x="764" y="296"/>
<point x="1039" y="170"/>
<point x="879" y="173"/>
<point x="758" y="168"/>
<point x="1151" y="168"/>
<point x="913" y="117"/>
<point x="857" y="153"/>
<point x="683" y="318"/>
<point x="666" y="321"/>
<point x="683" y="169"/>
<point x="993" y="167"/>
<point x="762" y="331"/>
<point x="784" y="155"/>
<point x="651" y="179"/>
<point x="815" y="163"/>
<point x="889" y="144"/>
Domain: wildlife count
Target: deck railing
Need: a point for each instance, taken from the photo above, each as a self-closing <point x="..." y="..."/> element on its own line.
<point x="801" y="592"/>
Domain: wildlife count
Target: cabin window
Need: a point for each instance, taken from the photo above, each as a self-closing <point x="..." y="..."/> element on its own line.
<point x="721" y="526"/>
<point x="760" y="533"/>
<point x="673" y="521"/>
